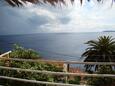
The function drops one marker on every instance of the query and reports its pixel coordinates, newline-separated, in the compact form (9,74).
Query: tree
(52,2)
(101,50)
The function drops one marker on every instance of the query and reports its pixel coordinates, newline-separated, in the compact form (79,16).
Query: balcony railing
(65,73)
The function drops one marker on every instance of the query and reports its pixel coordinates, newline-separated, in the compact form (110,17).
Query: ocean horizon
(53,46)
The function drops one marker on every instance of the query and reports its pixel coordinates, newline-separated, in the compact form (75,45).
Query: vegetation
(29,75)
(76,80)
(98,81)
(20,52)
(52,2)
(101,50)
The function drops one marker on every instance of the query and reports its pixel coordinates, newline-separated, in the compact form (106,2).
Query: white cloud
(87,18)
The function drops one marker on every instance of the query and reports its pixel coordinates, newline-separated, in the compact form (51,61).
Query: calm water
(58,46)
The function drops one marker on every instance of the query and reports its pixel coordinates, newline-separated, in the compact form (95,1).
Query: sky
(90,17)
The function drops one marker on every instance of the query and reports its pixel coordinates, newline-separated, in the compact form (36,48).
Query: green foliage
(21,52)
(101,50)
(105,69)
(105,81)
(76,80)
(1,62)
(30,75)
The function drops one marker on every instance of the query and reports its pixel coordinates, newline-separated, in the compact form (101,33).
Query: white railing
(5,54)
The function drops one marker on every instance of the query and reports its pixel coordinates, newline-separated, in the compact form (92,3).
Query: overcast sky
(90,17)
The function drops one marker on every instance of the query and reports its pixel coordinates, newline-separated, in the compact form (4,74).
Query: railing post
(66,69)
(7,63)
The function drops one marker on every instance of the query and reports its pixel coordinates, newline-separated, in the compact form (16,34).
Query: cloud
(12,21)
(64,20)
(44,18)
(23,20)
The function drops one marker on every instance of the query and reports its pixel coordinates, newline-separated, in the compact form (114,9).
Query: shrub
(102,81)
(21,52)
(76,80)
(29,75)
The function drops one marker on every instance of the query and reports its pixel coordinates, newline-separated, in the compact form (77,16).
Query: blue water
(55,46)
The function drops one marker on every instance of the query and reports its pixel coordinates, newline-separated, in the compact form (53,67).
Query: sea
(53,46)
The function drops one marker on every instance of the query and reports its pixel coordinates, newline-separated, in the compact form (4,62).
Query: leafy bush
(21,52)
(102,81)
(76,80)
(29,75)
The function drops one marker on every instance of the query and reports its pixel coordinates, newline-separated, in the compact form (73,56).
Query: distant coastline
(109,31)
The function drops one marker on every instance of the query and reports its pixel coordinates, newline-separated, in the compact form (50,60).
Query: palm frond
(21,2)
(52,2)
(101,50)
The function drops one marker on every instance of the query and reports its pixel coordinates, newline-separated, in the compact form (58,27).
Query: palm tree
(52,2)
(101,50)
